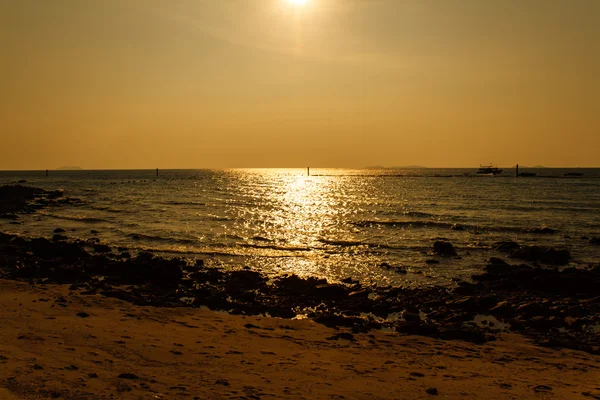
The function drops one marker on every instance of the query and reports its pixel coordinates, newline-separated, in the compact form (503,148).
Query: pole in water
(46,172)
(156,171)
(308,171)
(517,170)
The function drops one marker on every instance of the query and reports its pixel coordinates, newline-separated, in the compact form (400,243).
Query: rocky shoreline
(555,307)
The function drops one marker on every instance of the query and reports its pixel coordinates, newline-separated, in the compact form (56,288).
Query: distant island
(69,168)
(395,167)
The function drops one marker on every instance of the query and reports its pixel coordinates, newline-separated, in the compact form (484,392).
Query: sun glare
(297,2)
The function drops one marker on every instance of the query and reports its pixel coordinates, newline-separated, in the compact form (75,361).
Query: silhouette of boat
(527,174)
(573,174)
(488,170)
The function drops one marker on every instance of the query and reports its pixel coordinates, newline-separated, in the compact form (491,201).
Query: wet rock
(444,248)
(59,230)
(431,261)
(595,240)
(432,391)
(102,248)
(82,314)
(548,255)
(59,238)
(544,231)
(506,247)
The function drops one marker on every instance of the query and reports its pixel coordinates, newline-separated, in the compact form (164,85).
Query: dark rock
(431,261)
(82,314)
(498,262)
(417,374)
(542,388)
(432,391)
(94,232)
(595,240)
(59,230)
(128,375)
(92,375)
(59,238)
(444,248)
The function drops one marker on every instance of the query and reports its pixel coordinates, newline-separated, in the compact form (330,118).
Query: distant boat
(527,174)
(489,170)
(573,174)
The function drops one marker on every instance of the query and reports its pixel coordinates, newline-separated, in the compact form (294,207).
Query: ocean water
(335,223)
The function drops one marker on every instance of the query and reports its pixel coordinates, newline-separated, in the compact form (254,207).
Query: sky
(267,83)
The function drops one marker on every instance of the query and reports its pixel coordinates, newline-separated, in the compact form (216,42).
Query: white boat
(488,170)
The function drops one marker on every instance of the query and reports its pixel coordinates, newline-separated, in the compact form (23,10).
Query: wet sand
(57,343)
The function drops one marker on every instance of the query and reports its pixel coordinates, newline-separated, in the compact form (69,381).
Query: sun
(297,2)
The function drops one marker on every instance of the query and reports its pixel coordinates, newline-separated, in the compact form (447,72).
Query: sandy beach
(56,343)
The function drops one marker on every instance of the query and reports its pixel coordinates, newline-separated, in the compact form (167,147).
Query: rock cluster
(557,308)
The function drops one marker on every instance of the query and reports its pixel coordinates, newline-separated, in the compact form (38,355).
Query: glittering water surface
(334,224)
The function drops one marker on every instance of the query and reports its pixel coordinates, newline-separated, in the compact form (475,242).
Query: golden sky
(331,83)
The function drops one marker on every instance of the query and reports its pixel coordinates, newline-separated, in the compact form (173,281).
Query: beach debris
(432,391)
(342,335)
(128,375)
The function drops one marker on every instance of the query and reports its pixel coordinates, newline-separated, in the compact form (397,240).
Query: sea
(373,225)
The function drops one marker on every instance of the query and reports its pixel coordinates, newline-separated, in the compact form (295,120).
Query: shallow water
(335,223)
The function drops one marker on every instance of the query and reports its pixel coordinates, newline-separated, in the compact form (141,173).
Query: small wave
(403,224)
(108,209)
(418,214)
(261,239)
(79,218)
(343,243)
(141,236)
(274,247)
(218,218)
(453,226)
(182,203)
